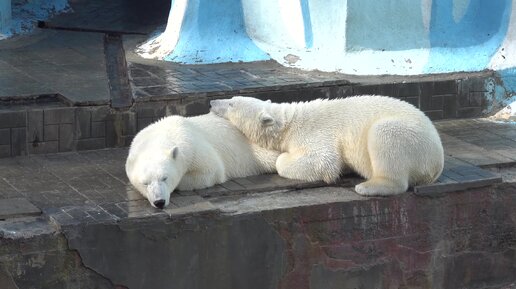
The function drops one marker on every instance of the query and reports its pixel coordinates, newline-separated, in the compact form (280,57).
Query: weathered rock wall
(458,240)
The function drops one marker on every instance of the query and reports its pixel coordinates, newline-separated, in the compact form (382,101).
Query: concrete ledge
(459,175)
(313,238)
(454,187)
(17,207)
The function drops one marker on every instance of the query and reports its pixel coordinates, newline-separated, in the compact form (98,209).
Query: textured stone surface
(35,255)
(316,238)
(17,207)
(117,73)
(13,119)
(200,253)
(459,175)
(480,142)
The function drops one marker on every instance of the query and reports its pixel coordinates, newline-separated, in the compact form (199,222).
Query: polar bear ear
(266,119)
(268,101)
(173,152)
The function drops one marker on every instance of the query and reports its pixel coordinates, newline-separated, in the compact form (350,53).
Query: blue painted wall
(467,44)
(307,21)
(25,13)
(384,25)
(404,37)
(5,17)
(482,22)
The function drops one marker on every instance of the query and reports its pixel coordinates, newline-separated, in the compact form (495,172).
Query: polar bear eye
(163,179)
(146,183)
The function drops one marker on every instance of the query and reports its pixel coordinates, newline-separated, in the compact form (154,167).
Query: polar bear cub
(387,141)
(191,153)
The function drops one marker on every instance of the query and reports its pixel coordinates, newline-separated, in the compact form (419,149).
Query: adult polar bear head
(244,112)
(154,174)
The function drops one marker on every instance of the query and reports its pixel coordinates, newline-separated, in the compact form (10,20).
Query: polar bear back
(346,124)
(356,112)
(349,117)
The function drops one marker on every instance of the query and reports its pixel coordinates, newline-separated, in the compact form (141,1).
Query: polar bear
(191,153)
(387,141)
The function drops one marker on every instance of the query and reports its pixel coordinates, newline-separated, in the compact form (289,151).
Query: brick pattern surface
(439,98)
(459,175)
(480,142)
(169,80)
(53,129)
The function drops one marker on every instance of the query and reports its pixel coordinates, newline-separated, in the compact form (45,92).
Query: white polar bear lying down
(191,153)
(389,142)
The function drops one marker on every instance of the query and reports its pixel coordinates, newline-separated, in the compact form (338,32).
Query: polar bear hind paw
(381,187)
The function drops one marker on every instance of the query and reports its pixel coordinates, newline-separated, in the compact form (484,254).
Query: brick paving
(439,96)
(481,142)
(458,175)
(91,186)
(157,80)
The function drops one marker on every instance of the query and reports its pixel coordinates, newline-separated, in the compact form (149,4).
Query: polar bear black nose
(159,204)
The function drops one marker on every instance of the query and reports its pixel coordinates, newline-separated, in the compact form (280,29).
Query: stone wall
(457,240)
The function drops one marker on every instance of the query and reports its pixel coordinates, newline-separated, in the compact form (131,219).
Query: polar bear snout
(158,194)
(160,204)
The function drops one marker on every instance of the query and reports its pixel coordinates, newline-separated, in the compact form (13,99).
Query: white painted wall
(162,44)
(283,25)
(328,24)
(505,57)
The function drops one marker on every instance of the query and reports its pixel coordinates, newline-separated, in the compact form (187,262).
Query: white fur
(192,153)
(389,142)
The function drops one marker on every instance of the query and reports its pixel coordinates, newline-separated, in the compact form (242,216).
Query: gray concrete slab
(17,207)
(480,142)
(118,15)
(55,62)
(459,175)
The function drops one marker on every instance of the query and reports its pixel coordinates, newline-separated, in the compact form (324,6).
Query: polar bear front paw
(380,187)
